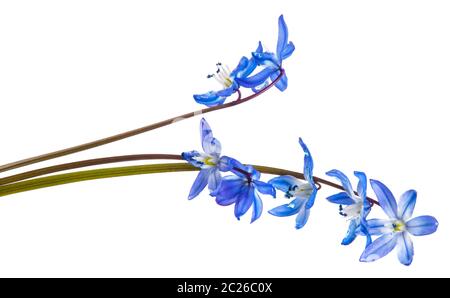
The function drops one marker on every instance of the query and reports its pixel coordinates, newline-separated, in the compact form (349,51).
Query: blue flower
(210,162)
(242,190)
(229,81)
(395,230)
(357,207)
(272,61)
(304,193)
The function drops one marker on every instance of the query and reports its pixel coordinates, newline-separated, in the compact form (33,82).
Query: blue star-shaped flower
(395,231)
(242,190)
(304,193)
(210,162)
(272,61)
(229,81)
(357,207)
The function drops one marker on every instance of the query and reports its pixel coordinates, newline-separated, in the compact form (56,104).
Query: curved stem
(85,163)
(134,132)
(60,179)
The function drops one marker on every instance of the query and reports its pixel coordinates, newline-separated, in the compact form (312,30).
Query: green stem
(134,132)
(67,178)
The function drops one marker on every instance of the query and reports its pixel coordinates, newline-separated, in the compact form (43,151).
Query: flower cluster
(255,72)
(243,188)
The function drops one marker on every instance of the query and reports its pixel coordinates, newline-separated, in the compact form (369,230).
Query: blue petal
(210,144)
(227,163)
(257,79)
(260,87)
(209,99)
(265,188)
(287,209)
(422,225)
(257,207)
(214,179)
(362,184)
(379,248)
(282,36)
(190,158)
(405,249)
(242,65)
(308,165)
(344,181)
(284,183)
(228,190)
(312,198)
(205,130)
(363,230)
(288,50)
(199,184)
(244,171)
(406,205)
(351,233)
(302,217)
(227,91)
(379,226)
(385,198)
(244,201)
(282,83)
(250,67)
(267,59)
(341,198)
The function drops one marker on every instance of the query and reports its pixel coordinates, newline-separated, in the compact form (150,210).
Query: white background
(368,90)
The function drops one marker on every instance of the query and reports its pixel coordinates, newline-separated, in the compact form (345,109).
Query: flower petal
(200,183)
(209,99)
(379,226)
(341,198)
(228,190)
(406,204)
(240,68)
(344,181)
(385,198)
(210,144)
(244,201)
(256,79)
(282,36)
(287,209)
(422,225)
(190,157)
(311,198)
(288,50)
(265,188)
(282,83)
(245,171)
(285,183)
(351,233)
(363,231)
(214,179)
(405,249)
(267,59)
(379,248)
(362,184)
(257,208)
(302,216)
(308,164)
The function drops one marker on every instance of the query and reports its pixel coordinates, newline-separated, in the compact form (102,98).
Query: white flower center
(352,211)
(299,190)
(208,161)
(399,226)
(222,75)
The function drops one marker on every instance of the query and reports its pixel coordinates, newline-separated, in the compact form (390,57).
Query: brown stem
(85,163)
(134,132)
